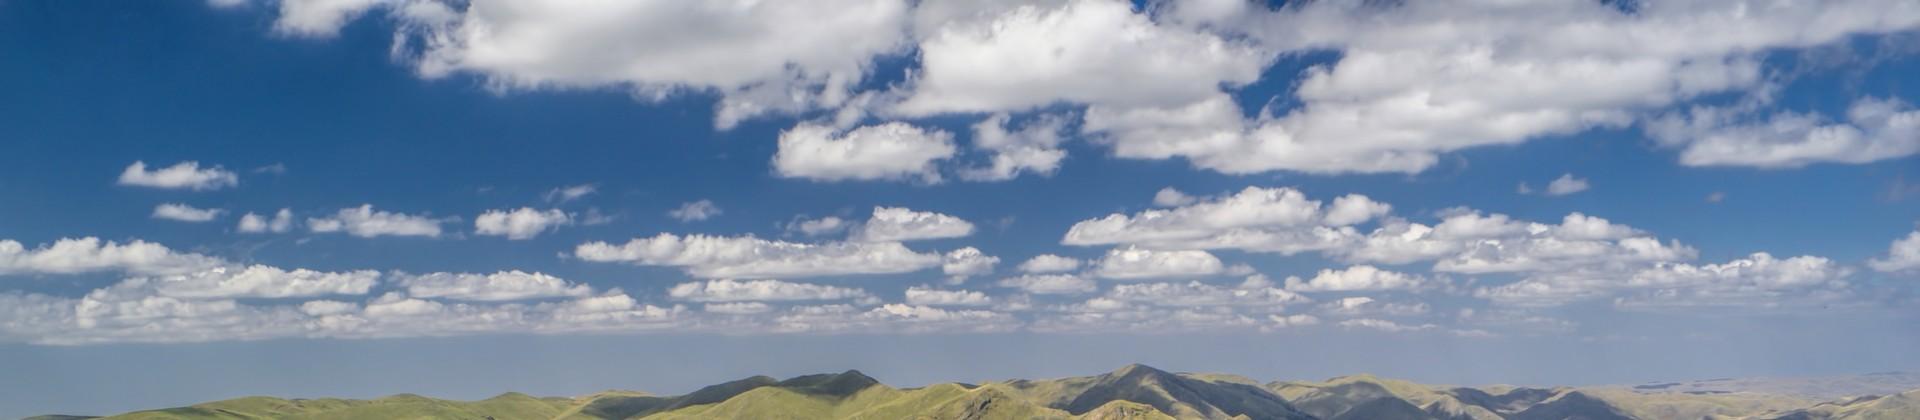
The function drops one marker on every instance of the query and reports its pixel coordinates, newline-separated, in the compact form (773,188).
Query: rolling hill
(1132,392)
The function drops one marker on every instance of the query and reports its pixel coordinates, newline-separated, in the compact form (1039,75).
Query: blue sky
(1261,129)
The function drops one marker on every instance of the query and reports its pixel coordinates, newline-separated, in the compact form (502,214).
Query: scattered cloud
(1034,148)
(1049,263)
(499,286)
(885,152)
(253,223)
(747,256)
(1131,263)
(897,224)
(1051,284)
(366,222)
(90,254)
(967,262)
(1169,197)
(185,213)
(1876,129)
(922,295)
(570,193)
(1356,278)
(1566,184)
(695,211)
(519,224)
(181,176)
(1902,255)
(725,290)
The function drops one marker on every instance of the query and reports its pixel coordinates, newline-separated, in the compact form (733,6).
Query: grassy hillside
(1134,392)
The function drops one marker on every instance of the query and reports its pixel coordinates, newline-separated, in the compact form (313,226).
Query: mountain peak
(1136,368)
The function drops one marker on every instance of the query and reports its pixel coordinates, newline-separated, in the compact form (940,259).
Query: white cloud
(818,227)
(90,254)
(967,262)
(747,256)
(1049,263)
(1362,305)
(519,224)
(1169,197)
(1385,325)
(1295,320)
(319,18)
(1566,184)
(1280,220)
(1034,149)
(885,152)
(256,281)
(1050,284)
(738,308)
(895,224)
(1131,263)
(1356,278)
(922,295)
(253,223)
(695,211)
(1876,129)
(761,57)
(1201,294)
(1903,254)
(185,213)
(365,222)
(1758,280)
(759,290)
(499,286)
(1084,51)
(570,193)
(1421,78)
(180,176)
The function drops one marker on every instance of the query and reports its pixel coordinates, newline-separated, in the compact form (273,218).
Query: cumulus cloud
(922,295)
(1049,263)
(1034,55)
(185,213)
(1050,284)
(1034,148)
(1362,305)
(1524,71)
(896,224)
(1902,255)
(90,254)
(366,222)
(1356,278)
(747,256)
(1758,280)
(885,152)
(778,57)
(1252,293)
(1875,129)
(499,286)
(695,211)
(725,290)
(255,281)
(519,224)
(282,222)
(181,176)
(738,308)
(819,227)
(967,262)
(1566,184)
(1169,197)
(1280,220)
(1132,263)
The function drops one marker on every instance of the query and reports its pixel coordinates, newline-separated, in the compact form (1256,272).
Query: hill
(1133,392)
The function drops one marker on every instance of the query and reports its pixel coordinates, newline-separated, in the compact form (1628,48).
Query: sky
(206,200)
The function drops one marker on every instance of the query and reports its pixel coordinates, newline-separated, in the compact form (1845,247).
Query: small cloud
(695,211)
(1566,184)
(1169,197)
(1716,197)
(1524,189)
(275,169)
(185,213)
(565,194)
(180,176)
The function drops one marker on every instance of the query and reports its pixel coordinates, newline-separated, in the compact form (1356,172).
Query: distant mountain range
(1132,392)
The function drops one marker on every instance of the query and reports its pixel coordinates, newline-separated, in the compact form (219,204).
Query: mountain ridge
(1134,392)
